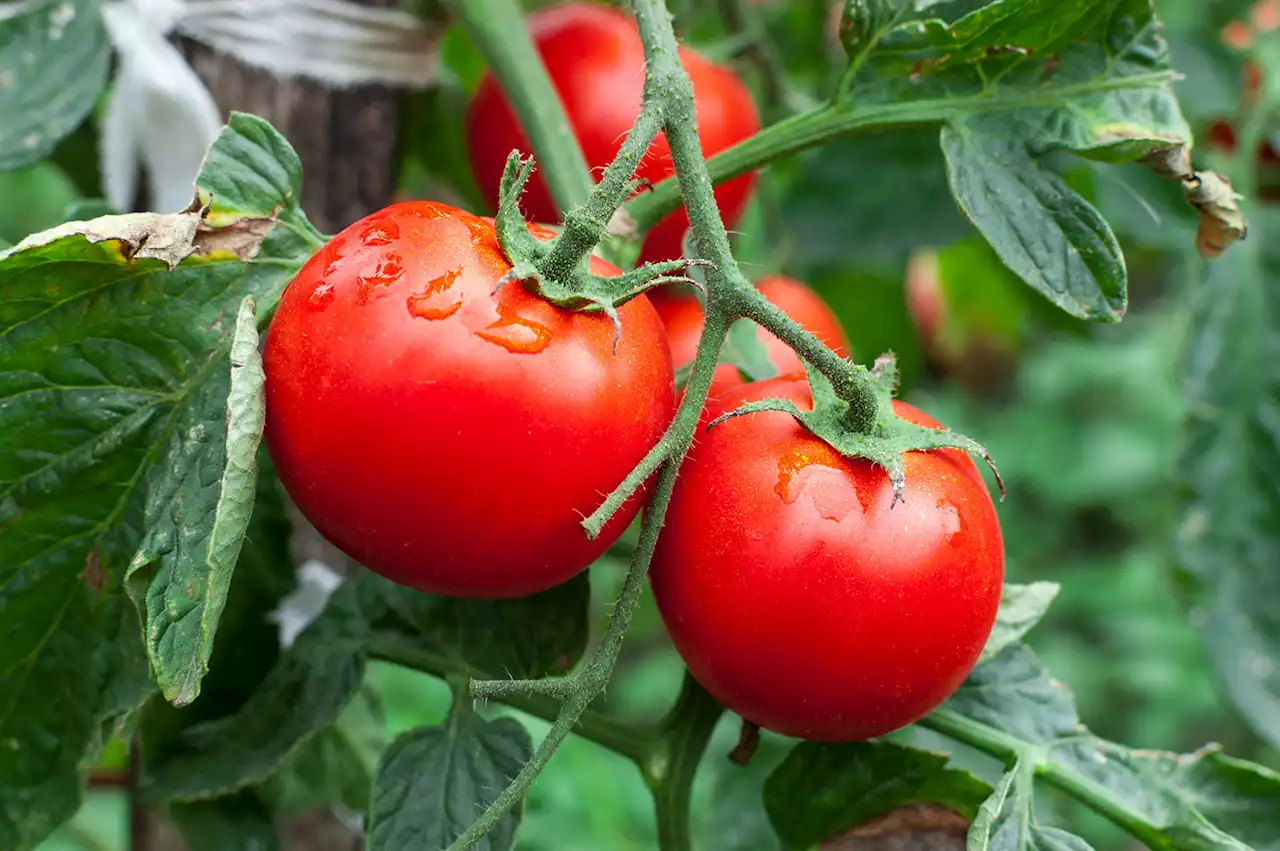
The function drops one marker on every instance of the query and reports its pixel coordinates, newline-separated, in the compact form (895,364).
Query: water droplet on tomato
(384,273)
(381,232)
(321,296)
(435,301)
(516,334)
(480,230)
(833,493)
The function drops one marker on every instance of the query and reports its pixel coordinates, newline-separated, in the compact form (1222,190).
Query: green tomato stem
(821,125)
(585,226)
(672,762)
(498,30)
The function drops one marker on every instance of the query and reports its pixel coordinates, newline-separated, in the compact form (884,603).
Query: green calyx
(569,285)
(866,426)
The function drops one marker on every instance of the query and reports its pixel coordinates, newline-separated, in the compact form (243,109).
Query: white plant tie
(161,116)
(316,584)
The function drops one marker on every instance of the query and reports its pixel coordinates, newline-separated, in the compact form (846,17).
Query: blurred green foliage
(1083,422)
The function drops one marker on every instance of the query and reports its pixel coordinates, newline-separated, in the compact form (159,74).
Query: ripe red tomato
(799,599)
(446,437)
(596,62)
(682,316)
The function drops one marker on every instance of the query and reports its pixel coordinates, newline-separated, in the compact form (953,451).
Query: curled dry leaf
(168,237)
(1221,220)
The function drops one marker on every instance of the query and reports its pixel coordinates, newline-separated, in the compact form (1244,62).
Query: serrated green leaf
(823,789)
(306,690)
(114,383)
(234,823)
(527,637)
(432,782)
(1021,607)
(54,58)
(1228,545)
(1191,802)
(1042,230)
(184,606)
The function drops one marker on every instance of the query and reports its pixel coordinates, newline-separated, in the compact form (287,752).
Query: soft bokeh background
(1083,421)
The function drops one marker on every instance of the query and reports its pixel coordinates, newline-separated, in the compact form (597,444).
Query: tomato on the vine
(595,59)
(682,316)
(800,599)
(446,436)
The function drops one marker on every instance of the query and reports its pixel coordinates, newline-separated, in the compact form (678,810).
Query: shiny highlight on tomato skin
(446,436)
(801,598)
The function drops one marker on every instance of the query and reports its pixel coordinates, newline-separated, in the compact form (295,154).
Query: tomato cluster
(451,434)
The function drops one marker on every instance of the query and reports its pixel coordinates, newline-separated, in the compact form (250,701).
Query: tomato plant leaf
(1185,802)
(313,682)
(239,821)
(113,382)
(1042,230)
(822,789)
(54,58)
(1005,821)
(1228,546)
(1021,607)
(336,766)
(248,646)
(182,614)
(432,781)
(526,637)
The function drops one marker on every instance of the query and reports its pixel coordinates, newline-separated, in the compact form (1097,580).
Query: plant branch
(825,123)
(673,760)
(498,30)
(598,727)
(585,226)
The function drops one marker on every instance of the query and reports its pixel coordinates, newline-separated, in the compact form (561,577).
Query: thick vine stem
(830,121)
(498,31)
(672,761)
(585,226)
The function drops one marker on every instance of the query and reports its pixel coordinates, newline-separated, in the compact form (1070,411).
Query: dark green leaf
(526,637)
(307,689)
(248,646)
(114,385)
(823,789)
(433,781)
(1021,607)
(236,823)
(336,766)
(53,63)
(913,206)
(1042,230)
(184,606)
(77,636)
(1228,545)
